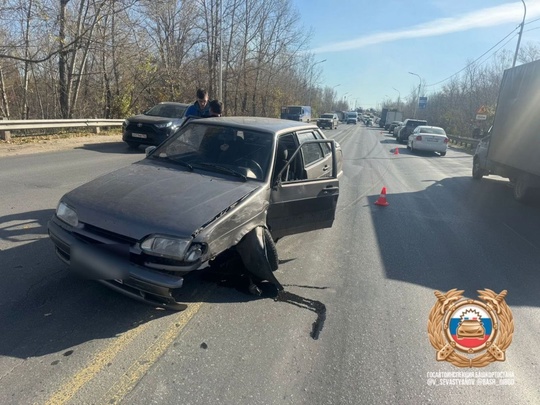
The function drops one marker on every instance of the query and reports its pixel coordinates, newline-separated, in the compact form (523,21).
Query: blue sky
(370,46)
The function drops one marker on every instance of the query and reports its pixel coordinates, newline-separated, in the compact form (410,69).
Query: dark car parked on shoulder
(219,188)
(407,128)
(155,125)
(395,132)
(393,125)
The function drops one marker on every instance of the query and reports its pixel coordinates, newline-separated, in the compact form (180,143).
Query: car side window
(312,152)
(285,149)
(325,147)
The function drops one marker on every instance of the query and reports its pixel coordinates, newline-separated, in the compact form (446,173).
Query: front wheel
(259,255)
(270,250)
(442,153)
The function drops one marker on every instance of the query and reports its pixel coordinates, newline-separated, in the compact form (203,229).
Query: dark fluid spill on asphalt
(240,282)
(315,306)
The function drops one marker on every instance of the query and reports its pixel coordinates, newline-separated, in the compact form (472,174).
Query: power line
(531,29)
(537,19)
(474,61)
(500,47)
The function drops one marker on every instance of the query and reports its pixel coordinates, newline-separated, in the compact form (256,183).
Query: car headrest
(282,152)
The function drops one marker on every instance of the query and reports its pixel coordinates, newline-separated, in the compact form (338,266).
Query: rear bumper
(430,147)
(136,281)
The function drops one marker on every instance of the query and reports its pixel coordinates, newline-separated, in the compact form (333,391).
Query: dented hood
(148,197)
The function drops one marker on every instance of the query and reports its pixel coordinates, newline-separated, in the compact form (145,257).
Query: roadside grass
(17,139)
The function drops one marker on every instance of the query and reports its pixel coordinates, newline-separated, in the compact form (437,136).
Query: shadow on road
(112,147)
(485,240)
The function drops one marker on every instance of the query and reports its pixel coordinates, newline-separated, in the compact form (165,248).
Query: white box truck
(512,145)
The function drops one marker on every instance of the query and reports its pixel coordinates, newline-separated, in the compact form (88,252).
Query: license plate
(135,135)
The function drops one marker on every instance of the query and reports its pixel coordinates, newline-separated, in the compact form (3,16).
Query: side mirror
(149,150)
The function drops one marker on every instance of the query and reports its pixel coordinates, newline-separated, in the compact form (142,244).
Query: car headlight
(165,125)
(172,248)
(67,214)
(126,123)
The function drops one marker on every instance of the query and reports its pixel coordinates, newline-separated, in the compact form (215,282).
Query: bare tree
(529,53)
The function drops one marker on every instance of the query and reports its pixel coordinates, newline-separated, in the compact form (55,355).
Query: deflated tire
(259,255)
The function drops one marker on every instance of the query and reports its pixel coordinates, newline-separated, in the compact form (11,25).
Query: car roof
(273,125)
(175,103)
(428,127)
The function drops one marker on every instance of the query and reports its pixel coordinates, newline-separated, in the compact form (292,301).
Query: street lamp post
(520,32)
(344,98)
(311,77)
(419,85)
(398,98)
(333,101)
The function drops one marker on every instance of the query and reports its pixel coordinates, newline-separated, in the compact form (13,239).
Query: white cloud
(487,17)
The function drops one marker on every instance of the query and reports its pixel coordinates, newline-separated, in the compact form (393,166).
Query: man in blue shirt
(199,108)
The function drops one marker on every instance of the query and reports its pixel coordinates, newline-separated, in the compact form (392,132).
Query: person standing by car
(200,108)
(215,108)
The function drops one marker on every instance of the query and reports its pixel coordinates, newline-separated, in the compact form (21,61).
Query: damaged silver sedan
(218,185)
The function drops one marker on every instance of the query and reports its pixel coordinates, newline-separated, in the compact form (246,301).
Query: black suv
(407,128)
(155,125)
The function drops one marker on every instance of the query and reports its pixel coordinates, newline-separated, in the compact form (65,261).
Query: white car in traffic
(427,138)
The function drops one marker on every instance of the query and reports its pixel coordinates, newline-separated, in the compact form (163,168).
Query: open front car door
(305,191)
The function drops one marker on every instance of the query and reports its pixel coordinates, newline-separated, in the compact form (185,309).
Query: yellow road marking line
(140,367)
(98,363)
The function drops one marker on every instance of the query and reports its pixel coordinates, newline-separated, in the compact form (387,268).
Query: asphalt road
(67,340)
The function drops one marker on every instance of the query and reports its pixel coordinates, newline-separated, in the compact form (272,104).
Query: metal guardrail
(469,143)
(7,126)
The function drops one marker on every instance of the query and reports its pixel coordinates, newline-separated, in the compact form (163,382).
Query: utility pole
(398,99)
(520,32)
(311,78)
(419,86)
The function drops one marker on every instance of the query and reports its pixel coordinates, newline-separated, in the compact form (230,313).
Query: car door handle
(325,168)
(330,190)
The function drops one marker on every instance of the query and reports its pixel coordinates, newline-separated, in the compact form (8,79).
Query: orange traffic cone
(382,198)
(396,151)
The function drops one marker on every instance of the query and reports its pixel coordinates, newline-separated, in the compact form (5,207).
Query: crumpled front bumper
(117,273)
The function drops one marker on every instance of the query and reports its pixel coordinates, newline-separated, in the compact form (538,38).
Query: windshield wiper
(179,161)
(223,169)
